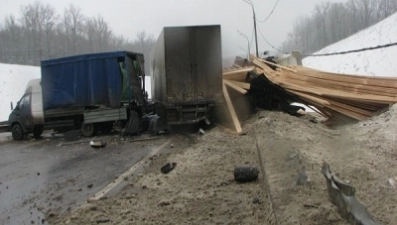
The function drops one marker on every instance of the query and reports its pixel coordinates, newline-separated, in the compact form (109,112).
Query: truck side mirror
(12,106)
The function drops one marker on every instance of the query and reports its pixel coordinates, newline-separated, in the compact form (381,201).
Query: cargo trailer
(186,70)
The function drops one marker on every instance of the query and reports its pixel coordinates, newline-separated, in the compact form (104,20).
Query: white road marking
(119,179)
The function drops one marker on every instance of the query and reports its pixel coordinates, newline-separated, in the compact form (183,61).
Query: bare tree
(366,11)
(385,8)
(38,20)
(73,21)
(331,22)
(39,33)
(322,14)
(98,33)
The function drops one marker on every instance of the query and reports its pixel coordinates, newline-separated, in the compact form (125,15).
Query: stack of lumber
(233,78)
(338,97)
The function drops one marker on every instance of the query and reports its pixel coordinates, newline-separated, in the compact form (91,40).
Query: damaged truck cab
(85,92)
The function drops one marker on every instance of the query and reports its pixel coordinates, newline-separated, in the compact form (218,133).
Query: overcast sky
(129,17)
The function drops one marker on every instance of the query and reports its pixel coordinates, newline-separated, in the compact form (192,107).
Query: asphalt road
(40,178)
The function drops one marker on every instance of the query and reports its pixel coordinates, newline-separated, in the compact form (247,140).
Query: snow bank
(13,81)
(380,62)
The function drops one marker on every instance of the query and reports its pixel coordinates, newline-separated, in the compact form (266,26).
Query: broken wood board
(238,74)
(235,87)
(231,109)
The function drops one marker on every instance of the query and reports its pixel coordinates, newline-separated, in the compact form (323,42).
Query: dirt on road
(201,188)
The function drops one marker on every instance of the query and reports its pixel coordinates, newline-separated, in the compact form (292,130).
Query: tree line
(332,22)
(40,33)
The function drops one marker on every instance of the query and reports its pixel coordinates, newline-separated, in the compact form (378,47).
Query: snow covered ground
(13,81)
(380,62)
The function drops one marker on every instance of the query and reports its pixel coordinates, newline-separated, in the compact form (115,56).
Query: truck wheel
(88,130)
(37,132)
(17,132)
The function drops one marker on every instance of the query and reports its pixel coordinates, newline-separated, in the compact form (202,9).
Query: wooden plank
(299,68)
(356,88)
(352,90)
(239,70)
(235,87)
(336,107)
(230,106)
(266,69)
(241,84)
(238,75)
(366,80)
(275,64)
(340,94)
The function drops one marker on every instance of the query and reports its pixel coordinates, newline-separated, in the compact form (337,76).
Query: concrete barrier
(341,194)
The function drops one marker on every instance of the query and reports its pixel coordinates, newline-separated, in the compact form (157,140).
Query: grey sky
(128,17)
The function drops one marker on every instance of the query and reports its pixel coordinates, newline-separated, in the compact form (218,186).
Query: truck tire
(88,130)
(37,132)
(17,132)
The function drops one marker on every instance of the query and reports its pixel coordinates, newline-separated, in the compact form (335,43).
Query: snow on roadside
(380,62)
(13,81)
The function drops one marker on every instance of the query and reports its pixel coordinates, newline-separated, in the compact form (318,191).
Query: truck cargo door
(208,64)
(179,66)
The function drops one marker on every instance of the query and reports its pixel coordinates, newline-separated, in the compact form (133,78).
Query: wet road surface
(40,178)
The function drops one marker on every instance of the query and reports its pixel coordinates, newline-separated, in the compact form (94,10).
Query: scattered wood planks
(339,97)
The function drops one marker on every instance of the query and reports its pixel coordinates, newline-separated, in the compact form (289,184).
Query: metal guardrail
(341,194)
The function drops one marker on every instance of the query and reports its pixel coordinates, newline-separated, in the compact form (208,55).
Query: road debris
(168,168)
(257,201)
(144,139)
(302,177)
(392,183)
(342,196)
(103,221)
(98,144)
(245,173)
(164,203)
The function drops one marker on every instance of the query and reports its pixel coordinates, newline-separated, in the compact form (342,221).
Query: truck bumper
(188,114)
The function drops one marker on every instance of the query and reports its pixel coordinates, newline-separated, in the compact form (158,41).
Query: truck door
(25,112)
(208,65)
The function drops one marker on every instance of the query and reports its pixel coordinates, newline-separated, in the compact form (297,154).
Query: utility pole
(256,35)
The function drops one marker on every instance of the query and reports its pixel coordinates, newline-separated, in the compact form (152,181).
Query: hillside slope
(380,62)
